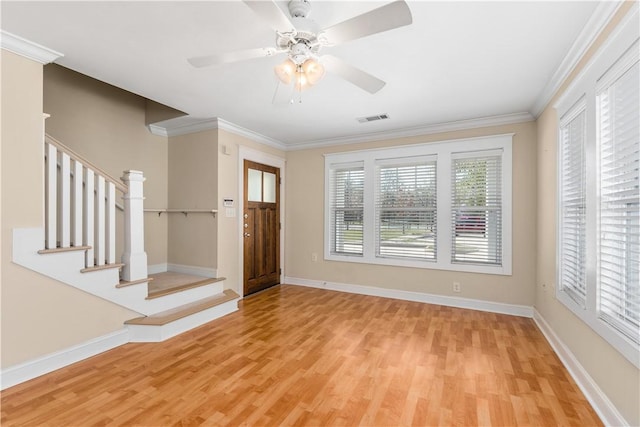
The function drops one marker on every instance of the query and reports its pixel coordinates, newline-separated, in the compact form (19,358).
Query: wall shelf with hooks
(186,212)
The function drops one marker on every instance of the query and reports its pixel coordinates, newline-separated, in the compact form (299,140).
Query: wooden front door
(261,226)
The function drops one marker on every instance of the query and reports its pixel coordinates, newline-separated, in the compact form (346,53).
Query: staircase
(77,246)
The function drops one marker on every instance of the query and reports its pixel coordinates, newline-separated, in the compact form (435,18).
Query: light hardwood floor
(301,356)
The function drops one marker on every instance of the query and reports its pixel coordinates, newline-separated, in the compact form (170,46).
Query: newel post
(134,257)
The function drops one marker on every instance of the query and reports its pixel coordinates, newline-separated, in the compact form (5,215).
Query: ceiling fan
(301,40)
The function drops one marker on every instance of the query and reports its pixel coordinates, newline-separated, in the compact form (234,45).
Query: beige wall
(38,315)
(106,125)
(155,112)
(193,184)
(203,170)
(613,373)
(304,214)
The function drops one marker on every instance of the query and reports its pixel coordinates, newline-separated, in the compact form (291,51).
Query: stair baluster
(80,210)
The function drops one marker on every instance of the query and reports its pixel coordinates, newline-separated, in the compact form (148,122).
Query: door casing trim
(245,153)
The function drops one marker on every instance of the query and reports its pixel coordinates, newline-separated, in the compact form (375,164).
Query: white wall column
(134,256)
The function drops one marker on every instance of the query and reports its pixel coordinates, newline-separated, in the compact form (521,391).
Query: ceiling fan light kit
(301,40)
(313,70)
(306,74)
(285,71)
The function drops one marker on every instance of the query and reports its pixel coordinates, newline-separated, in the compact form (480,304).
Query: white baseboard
(182,269)
(192,269)
(473,304)
(596,397)
(34,368)
(157,268)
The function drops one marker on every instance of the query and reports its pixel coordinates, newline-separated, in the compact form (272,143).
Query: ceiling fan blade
(271,13)
(384,18)
(352,74)
(229,57)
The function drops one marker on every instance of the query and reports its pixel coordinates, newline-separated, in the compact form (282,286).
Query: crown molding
(251,135)
(158,130)
(592,29)
(182,126)
(505,119)
(176,127)
(630,18)
(28,49)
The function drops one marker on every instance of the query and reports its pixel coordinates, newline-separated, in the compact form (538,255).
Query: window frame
(407,162)
(442,151)
(567,293)
(585,86)
(483,156)
(333,209)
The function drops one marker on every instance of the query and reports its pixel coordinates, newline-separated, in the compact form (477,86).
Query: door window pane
(254,185)
(269,185)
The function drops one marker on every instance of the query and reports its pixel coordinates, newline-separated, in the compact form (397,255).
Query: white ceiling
(457,61)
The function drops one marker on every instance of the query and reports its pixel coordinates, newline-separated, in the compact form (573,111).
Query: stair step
(68,249)
(101,267)
(180,288)
(165,317)
(125,283)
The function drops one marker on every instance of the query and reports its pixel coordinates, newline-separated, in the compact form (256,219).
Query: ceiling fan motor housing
(302,43)
(299,8)
(299,52)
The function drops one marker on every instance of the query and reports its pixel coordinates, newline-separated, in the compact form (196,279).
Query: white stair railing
(80,210)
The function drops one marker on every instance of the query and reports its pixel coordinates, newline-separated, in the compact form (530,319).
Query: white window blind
(598,211)
(476,208)
(572,212)
(618,108)
(346,208)
(405,209)
(392,206)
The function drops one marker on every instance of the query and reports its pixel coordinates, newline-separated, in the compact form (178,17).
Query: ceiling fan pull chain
(275,93)
(299,84)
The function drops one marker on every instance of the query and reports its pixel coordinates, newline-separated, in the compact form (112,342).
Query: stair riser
(187,296)
(62,266)
(148,333)
(65,267)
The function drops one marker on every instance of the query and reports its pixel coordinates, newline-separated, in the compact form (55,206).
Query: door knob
(246,216)
(246,225)
(247,235)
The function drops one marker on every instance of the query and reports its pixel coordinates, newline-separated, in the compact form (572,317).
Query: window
(618,112)
(442,205)
(572,203)
(406,209)
(476,208)
(599,192)
(347,185)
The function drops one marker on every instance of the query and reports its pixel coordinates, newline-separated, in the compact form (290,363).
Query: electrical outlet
(314,257)
(456,287)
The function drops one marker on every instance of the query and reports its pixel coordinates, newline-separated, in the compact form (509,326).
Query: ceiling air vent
(373,118)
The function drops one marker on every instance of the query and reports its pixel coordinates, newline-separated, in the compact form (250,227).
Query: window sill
(428,265)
